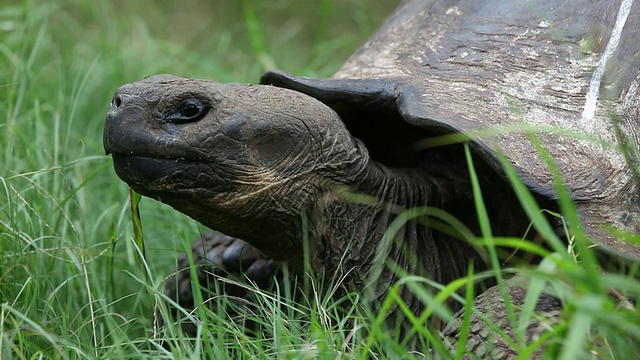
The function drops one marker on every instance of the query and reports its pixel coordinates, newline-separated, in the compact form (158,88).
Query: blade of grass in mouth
(134,199)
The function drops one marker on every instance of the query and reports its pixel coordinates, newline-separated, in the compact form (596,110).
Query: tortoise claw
(240,255)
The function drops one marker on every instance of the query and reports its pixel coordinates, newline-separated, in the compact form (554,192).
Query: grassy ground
(71,285)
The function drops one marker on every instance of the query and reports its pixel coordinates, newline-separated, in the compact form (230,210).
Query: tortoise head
(229,155)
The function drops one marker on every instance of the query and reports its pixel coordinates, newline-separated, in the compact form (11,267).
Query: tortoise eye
(188,110)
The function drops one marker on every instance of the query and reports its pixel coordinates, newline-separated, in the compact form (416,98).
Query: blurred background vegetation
(71,284)
(69,278)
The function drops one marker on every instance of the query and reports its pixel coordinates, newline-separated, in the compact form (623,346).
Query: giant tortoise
(335,161)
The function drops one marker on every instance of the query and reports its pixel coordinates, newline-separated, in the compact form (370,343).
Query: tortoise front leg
(218,257)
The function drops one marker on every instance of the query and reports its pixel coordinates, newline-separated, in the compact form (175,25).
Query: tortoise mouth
(140,169)
(149,174)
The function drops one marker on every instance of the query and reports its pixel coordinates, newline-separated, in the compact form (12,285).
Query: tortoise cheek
(272,150)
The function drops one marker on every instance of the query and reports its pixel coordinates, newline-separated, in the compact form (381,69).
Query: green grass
(71,284)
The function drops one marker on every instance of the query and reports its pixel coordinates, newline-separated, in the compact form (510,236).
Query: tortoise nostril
(116,101)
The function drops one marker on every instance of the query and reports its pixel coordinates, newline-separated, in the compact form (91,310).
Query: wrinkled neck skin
(347,231)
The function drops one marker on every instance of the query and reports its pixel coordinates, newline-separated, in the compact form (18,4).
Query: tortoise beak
(126,129)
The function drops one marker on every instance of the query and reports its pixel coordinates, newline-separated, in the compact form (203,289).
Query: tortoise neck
(356,217)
